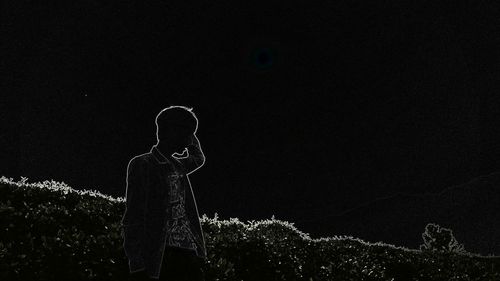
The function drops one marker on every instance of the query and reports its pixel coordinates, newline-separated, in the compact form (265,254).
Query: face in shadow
(180,144)
(174,140)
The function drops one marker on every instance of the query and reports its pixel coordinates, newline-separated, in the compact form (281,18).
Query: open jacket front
(148,215)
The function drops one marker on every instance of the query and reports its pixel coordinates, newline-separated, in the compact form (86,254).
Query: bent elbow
(202,160)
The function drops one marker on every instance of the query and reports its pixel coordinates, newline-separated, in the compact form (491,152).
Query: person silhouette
(162,232)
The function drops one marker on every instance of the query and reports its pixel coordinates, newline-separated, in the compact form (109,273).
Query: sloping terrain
(471,210)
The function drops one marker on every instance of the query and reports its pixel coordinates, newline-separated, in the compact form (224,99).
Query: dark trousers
(181,265)
(178,265)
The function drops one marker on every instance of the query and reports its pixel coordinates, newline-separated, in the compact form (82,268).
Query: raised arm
(133,218)
(195,158)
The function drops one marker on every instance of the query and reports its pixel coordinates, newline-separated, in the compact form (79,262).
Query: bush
(52,232)
(441,239)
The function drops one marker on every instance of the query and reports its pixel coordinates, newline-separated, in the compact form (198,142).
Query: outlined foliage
(53,232)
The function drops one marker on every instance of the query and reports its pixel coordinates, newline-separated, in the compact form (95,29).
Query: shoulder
(142,159)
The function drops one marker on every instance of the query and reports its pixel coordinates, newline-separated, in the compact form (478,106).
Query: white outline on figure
(175,158)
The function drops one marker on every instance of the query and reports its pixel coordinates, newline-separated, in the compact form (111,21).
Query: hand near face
(184,143)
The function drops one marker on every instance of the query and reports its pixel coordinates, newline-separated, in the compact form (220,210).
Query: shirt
(179,232)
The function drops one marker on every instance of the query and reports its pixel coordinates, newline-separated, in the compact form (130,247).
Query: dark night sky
(303,110)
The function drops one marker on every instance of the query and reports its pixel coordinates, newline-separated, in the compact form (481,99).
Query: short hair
(176,119)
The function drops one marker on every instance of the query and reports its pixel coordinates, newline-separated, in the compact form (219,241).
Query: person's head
(174,125)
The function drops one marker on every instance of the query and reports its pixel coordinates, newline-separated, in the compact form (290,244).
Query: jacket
(148,213)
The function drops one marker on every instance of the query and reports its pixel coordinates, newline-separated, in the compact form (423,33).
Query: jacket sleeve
(133,218)
(195,159)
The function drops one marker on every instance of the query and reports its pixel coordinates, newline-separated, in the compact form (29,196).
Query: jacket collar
(159,156)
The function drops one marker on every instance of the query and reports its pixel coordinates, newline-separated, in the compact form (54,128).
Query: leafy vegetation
(53,232)
(437,238)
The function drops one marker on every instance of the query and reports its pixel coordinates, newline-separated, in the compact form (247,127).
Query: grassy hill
(51,231)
